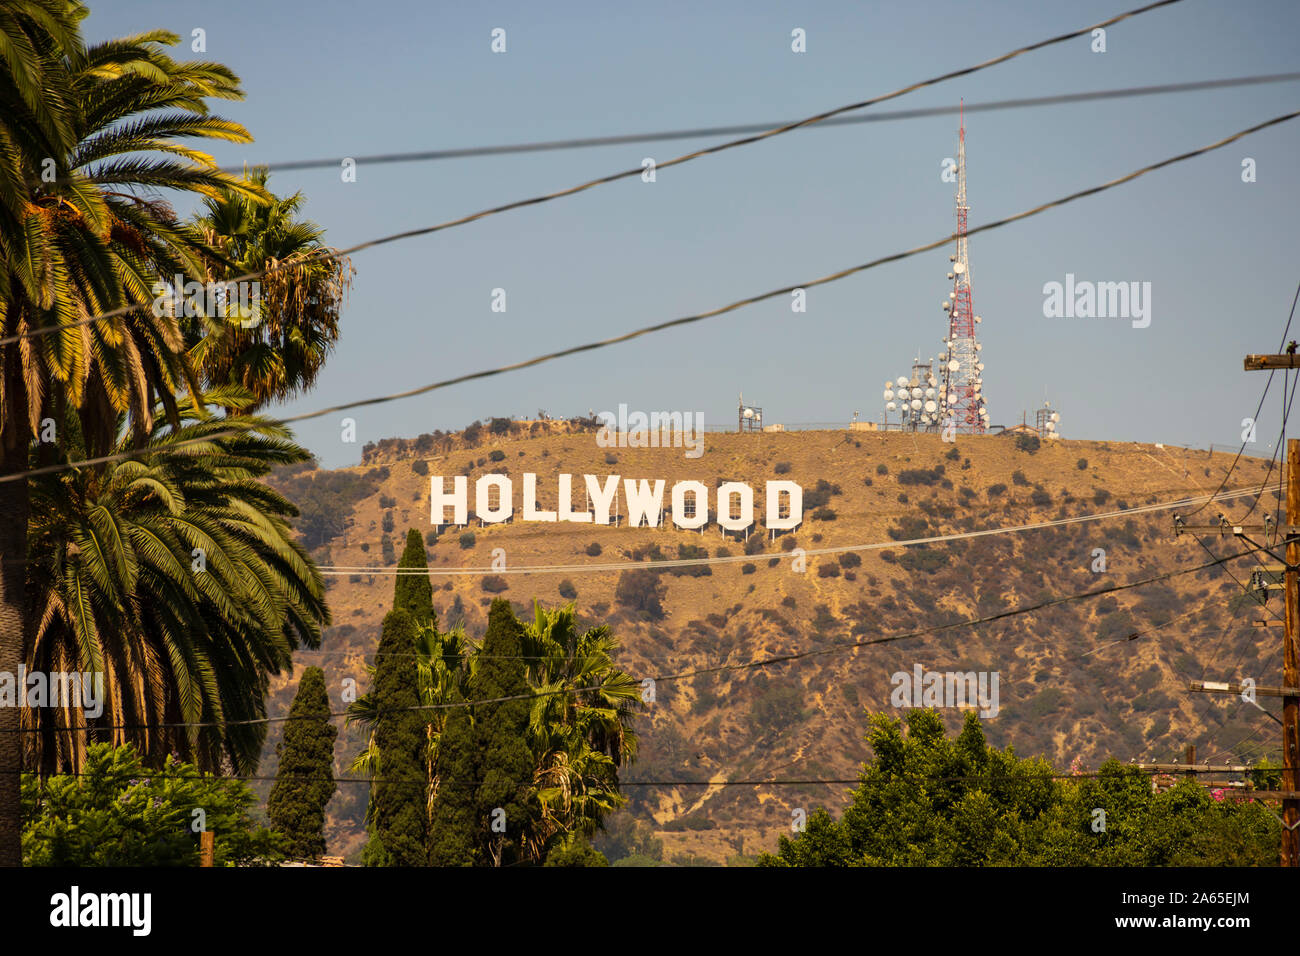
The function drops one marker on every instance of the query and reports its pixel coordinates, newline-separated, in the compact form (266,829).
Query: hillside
(1072,686)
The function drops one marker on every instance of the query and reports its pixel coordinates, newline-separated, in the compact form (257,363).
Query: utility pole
(1291,641)
(1291,667)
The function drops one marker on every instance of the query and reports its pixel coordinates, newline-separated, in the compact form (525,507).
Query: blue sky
(332,79)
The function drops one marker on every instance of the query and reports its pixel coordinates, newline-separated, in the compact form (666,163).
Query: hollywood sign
(644,500)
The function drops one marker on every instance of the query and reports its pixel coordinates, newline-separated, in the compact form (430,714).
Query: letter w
(642,502)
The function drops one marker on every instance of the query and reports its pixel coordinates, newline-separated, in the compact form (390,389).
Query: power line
(637,171)
(719,668)
(624,139)
(685,320)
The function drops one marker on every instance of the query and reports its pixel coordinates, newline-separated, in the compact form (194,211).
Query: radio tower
(962,396)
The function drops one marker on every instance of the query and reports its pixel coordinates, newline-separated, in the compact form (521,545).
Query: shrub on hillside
(567,590)
(1027,443)
(494,584)
(782,468)
(594,549)
(1082,464)
(641,590)
(467,540)
(496,454)
(1018,478)
(420,466)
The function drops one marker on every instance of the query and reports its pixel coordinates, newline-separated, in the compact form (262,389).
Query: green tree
(279,351)
(397,819)
(499,688)
(173,573)
(925,799)
(579,729)
(92,238)
(117,812)
(454,838)
(413,590)
(304,782)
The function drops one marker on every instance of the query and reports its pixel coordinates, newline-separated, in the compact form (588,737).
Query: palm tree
(279,350)
(88,138)
(175,575)
(580,726)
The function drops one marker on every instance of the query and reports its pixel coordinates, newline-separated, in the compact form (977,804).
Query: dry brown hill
(1072,685)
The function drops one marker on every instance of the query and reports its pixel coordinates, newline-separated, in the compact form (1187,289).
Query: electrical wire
(882,116)
(685,320)
(637,171)
(716,669)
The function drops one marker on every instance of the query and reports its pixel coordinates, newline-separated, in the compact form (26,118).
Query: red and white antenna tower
(962,398)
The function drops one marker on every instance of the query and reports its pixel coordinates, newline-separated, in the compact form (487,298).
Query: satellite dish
(979,366)
(952,398)
(1056,416)
(949,275)
(903,381)
(890,406)
(979,347)
(889,393)
(954,365)
(889,384)
(916,404)
(749,413)
(929,393)
(931,406)
(959,268)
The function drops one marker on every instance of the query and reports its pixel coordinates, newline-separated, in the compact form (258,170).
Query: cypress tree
(398,821)
(500,729)
(304,782)
(414,592)
(454,836)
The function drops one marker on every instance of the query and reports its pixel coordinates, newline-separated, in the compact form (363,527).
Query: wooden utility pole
(1291,666)
(207,847)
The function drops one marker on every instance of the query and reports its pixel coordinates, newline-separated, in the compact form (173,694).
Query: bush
(868,482)
(386,546)
(1018,478)
(747,568)
(782,468)
(420,466)
(1027,443)
(430,538)
(500,426)
(820,495)
(882,469)
(824,514)
(921,476)
(1100,496)
(386,502)
(754,544)
(594,549)
(467,540)
(828,570)
(365,547)
(494,584)
(953,454)
(496,454)
(641,590)
(388,522)
(850,559)
(1082,464)
(1041,497)
(923,559)
(567,590)
(996,490)
(611,458)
